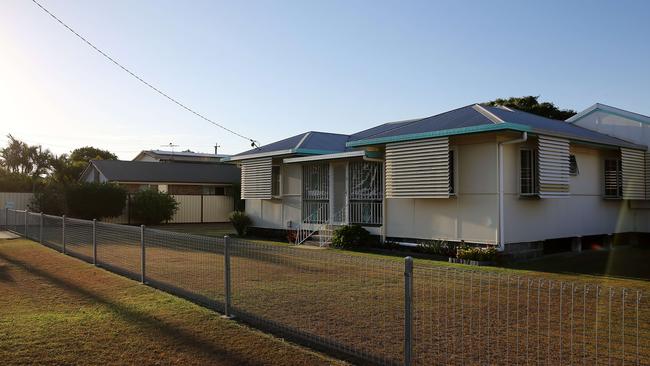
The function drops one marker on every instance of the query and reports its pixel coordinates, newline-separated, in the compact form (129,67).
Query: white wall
(276,213)
(471,216)
(584,212)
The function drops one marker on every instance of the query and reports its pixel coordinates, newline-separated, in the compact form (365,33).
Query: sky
(274,69)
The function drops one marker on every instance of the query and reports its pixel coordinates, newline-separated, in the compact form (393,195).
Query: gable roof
(472,118)
(307,143)
(144,171)
(182,156)
(611,110)
(481,118)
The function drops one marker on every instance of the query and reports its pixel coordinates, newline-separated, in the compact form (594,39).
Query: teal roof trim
(314,152)
(442,133)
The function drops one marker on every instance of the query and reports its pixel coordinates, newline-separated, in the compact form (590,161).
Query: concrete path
(8,235)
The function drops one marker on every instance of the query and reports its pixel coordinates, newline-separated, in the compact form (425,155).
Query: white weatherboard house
(479,174)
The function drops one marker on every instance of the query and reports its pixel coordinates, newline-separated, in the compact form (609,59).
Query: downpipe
(523,138)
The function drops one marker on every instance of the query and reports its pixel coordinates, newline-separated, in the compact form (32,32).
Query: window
(573,165)
(528,172)
(213,191)
(452,175)
(613,178)
(275,180)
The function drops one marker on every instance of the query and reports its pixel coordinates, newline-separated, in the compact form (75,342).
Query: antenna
(171,146)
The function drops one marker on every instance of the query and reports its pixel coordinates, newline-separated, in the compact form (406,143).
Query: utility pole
(216,148)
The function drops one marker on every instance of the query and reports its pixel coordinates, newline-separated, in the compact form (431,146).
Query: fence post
(40,228)
(63,233)
(408,310)
(95,241)
(226,269)
(26,236)
(142,254)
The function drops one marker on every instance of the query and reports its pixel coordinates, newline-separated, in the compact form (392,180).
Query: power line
(253,142)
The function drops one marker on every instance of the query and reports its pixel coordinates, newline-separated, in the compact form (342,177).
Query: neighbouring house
(478,174)
(206,192)
(163,156)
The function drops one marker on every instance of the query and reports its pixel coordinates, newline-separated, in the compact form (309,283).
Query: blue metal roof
(468,119)
(312,142)
(551,126)
(458,118)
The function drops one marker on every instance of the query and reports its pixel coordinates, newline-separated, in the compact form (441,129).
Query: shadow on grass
(174,334)
(627,261)
(4,274)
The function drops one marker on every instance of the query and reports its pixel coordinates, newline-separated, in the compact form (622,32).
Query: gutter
(500,237)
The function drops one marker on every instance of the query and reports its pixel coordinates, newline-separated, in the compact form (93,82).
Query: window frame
(619,178)
(276,180)
(574,169)
(534,178)
(453,171)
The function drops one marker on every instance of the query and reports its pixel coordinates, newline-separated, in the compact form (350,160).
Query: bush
(151,207)
(49,199)
(95,200)
(478,254)
(439,247)
(240,221)
(352,236)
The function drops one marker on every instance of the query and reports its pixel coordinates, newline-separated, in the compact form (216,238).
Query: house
(479,174)
(206,192)
(163,156)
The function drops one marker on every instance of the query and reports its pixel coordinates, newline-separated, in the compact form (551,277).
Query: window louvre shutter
(418,169)
(256,180)
(633,171)
(554,167)
(647,175)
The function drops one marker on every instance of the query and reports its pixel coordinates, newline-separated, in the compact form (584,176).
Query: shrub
(241,222)
(95,200)
(152,207)
(439,247)
(292,235)
(49,199)
(352,236)
(478,254)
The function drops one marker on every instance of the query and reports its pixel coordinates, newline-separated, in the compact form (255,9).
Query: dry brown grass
(58,310)
(480,316)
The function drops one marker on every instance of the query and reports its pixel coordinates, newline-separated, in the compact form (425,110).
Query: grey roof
(462,120)
(552,126)
(307,142)
(144,171)
(468,116)
(456,118)
(184,156)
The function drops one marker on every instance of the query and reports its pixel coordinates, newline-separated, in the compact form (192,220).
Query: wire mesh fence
(119,249)
(373,309)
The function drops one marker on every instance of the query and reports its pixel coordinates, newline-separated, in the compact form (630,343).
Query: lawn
(59,310)
(354,301)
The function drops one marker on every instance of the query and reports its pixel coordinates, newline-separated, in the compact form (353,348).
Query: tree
(89,153)
(65,170)
(152,207)
(95,200)
(531,104)
(20,158)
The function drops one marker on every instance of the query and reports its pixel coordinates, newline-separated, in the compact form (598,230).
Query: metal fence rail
(382,311)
